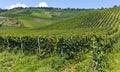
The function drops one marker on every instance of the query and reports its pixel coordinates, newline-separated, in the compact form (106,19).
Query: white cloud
(42,4)
(17,5)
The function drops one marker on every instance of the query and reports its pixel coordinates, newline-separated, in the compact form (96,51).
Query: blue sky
(60,3)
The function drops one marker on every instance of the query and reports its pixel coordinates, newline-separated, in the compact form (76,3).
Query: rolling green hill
(39,17)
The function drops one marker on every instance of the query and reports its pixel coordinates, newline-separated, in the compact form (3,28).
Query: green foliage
(68,47)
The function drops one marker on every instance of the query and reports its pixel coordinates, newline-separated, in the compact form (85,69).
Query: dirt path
(69,69)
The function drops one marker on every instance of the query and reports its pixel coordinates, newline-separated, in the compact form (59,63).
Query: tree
(115,6)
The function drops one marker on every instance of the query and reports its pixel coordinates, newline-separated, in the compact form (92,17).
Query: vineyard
(88,35)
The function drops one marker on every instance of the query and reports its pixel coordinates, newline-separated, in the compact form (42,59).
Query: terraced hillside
(82,41)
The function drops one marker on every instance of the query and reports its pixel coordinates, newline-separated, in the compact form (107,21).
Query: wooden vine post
(8,44)
(61,51)
(21,44)
(38,40)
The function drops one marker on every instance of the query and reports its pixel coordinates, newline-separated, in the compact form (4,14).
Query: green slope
(38,17)
(106,20)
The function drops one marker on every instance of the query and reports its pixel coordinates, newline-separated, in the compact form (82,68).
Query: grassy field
(36,17)
(114,58)
(11,62)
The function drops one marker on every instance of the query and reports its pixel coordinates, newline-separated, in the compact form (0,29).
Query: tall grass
(19,62)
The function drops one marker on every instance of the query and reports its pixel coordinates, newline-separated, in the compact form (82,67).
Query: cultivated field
(60,40)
